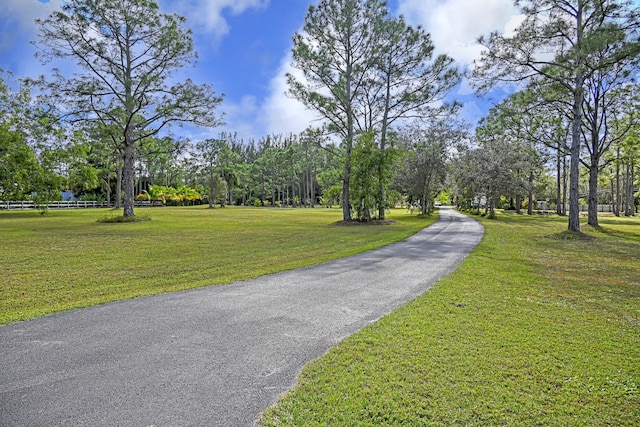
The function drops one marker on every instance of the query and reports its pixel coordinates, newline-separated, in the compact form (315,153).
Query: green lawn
(66,259)
(534,328)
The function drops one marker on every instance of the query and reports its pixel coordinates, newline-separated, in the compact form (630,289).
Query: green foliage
(394,199)
(372,169)
(444,197)
(218,190)
(363,71)
(18,165)
(329,178)
(92,198)
(83,178)
(428,148)
(125,82)
(579,48)
(366,157)
(529,330)
(26,168)
(331,196)
(183,195)
(22,174)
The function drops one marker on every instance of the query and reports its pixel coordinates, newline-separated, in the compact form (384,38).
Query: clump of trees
(30,146)
(181,196)
(126,51)
(363,71)
(569,135)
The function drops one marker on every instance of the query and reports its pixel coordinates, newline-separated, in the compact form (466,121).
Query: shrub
(118,219)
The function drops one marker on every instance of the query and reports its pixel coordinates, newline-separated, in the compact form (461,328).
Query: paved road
(211,356)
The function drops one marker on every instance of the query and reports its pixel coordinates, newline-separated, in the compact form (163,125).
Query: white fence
(27,204)
(583,208)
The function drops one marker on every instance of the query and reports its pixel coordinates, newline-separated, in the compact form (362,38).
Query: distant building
(67,196)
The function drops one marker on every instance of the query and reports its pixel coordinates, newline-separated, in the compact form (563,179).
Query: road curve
(215,356)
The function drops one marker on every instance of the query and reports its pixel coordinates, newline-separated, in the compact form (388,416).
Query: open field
(534,328)
(65,259)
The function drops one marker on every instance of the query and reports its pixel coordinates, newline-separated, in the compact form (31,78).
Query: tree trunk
(613,196)
(559,180)
(346,208)
(383,142)
(108,188)
(617,200)
(630,203)
(425,197)
(211,187)
(564,186)
(312,186)
(530,207)
(128,179)
(381,195)
(273,195)
(118,203)
(346,179)
(574,174)
(593,195)
(518,203)
(633,201)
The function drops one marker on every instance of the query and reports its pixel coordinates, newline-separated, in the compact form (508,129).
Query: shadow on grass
(17,214)
(572,236)
(358,222)
(620,234)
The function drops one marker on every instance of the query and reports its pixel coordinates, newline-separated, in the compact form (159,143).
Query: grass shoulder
(529,330)
(66,259)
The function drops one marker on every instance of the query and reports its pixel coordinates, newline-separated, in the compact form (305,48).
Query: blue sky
(244,48)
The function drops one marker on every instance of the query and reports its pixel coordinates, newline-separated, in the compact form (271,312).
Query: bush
(118,219)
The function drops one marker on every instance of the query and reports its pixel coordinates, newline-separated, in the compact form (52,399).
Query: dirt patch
(571,235)
(373,222)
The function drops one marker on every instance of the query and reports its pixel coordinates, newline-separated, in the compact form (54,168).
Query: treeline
(517,157)
(523,152)
(579,62)
(569,135)
(286,171)
(39,159)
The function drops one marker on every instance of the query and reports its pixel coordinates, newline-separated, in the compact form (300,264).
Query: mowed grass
(66,259)
(535,328)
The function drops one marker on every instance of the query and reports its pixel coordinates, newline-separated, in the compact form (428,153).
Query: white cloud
(24,12)
(239,117)
(280,113)
(208,14)
(465,88)
(18,28)
(471,112)
(455,25)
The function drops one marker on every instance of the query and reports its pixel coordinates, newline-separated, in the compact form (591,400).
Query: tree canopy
(126,52)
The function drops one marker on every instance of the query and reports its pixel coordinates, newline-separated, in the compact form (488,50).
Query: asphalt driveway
(215,356)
